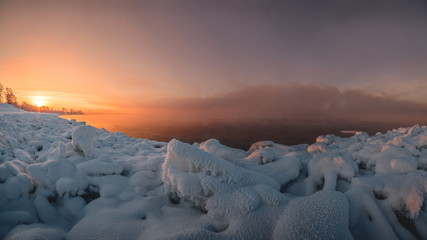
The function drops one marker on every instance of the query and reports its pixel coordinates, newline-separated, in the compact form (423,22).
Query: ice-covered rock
(23,155)
(66,187)
(267,151)
(260,145)
(103,165)
(232,214)
(394,159)
(323,215)
(82,137)
(8,169)
(196,175)
(14,218)
(35,232)
(214,147)
(48,172)
(329,168)
(18,186)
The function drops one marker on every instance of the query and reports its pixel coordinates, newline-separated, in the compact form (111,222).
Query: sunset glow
(39,101)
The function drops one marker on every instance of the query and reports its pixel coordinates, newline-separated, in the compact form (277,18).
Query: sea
(240,134)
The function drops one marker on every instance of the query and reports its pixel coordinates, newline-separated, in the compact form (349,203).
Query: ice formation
(323,215)
(62,179)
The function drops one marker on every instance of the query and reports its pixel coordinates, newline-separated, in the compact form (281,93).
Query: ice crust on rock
(83,140)
(214,147)
(62,179)
(35,232)
(329,168)
(100,166)
(23,156)
(394,159)
(323,215)
(197,175)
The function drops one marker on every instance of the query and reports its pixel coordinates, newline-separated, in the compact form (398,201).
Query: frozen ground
(61,179)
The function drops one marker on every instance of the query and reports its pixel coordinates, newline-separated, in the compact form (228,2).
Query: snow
(23,156)
(35,232)
(323,215)
(8,108)
(214,147)
(63,179)
(17,186)
(66,187)
(82,139)
(393,159)
(196,175)
(100,166)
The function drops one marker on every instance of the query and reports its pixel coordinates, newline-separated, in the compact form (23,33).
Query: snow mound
(214,147)
(329,168)
(8,108)
(323,215)
(100,166)
(196,175)
(35,232)
(394,159)
(83,140)
(62,179)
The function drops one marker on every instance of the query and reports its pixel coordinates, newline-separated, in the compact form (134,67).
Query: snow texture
(62,179)
(83,140)
(323,215)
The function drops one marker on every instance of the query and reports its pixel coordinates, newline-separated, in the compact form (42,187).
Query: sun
(39,101)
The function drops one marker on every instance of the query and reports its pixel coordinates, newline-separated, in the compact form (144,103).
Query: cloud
(289,102)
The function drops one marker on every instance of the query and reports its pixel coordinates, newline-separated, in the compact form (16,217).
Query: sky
(167,55)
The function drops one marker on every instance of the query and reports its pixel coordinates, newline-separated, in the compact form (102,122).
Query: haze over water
(235,134)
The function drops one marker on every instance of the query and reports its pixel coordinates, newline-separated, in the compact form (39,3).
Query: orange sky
(119,55)
(63,79)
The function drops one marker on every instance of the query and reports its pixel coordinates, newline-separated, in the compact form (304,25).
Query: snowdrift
(63,179)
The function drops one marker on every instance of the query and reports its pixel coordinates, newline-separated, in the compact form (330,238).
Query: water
(235,134)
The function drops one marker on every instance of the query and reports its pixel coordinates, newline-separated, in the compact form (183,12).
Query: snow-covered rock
(23,155)
(214,147)
(62,179)
(196,175)
(83,140)
(100,166)
(35,232)
(323,215)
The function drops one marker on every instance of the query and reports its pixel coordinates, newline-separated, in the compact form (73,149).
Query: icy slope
(62,179)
